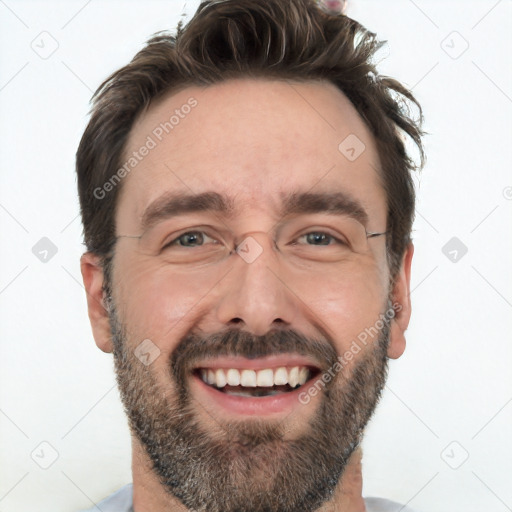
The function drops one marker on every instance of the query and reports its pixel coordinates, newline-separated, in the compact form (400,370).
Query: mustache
(194,348)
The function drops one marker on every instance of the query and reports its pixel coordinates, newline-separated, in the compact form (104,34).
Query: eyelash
(175,240)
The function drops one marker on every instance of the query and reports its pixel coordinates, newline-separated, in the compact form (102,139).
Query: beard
(251,465)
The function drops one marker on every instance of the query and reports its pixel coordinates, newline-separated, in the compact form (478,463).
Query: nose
(255,295)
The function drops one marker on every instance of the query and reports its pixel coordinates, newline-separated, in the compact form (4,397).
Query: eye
(320,238)
(190,239)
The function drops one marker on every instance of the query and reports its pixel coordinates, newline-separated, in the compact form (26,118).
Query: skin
(253,139)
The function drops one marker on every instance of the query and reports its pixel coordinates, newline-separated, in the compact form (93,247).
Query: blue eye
(194,237)
(319,238)
(189,239)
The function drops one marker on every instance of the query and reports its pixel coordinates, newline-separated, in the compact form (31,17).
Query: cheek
(161,303)
(348,304)
(157,302)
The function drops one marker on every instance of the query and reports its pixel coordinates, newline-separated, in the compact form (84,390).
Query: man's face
(276,315)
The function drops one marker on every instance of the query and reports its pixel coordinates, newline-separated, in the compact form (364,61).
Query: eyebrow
(340,203)
(173,204)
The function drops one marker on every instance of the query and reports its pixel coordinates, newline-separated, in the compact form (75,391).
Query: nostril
(280,324)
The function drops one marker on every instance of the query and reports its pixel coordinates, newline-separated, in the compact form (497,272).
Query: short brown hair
(276,39)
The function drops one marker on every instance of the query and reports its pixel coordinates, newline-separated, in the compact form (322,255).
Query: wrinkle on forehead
(254,139)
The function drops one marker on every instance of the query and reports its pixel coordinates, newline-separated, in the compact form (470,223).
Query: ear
(402,303)
(92,274)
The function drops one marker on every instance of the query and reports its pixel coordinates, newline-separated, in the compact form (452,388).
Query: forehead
(255,140)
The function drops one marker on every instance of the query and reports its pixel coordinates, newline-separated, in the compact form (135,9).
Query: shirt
(122,501)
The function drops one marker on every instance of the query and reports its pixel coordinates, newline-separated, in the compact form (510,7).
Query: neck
(149,495)
(348,495)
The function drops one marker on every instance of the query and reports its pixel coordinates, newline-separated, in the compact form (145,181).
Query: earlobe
(92,275)
(402,305)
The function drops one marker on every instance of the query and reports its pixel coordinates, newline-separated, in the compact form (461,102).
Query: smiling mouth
(256,383)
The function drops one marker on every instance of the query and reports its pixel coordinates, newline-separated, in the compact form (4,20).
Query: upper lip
(260,363)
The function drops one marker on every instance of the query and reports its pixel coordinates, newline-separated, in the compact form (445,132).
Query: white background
(454,382)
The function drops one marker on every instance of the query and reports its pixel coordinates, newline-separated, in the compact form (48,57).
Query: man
(247,204)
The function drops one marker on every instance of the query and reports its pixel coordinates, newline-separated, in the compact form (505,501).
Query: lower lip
(283,403)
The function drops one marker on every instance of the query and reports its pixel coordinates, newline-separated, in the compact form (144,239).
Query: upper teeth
(251,378)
